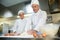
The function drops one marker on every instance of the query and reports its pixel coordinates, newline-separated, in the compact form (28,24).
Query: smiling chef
(38,18)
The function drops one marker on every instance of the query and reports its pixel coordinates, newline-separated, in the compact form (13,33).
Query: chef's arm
(14,28)
(28,25)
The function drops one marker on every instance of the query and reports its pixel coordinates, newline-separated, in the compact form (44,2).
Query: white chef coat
(19,26)
(36,20)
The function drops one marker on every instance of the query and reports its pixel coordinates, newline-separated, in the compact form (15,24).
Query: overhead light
(8,14)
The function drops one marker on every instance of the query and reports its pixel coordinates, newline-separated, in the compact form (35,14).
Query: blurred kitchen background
(9,10)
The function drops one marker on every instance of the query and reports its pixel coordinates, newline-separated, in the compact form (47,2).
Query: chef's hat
(34,2)
(19,12)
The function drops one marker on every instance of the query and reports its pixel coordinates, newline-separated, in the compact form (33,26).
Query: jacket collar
(37,12)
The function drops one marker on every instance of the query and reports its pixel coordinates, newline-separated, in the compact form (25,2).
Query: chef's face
(35,7)
(21,15)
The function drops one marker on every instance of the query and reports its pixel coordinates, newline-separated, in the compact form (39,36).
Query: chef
(20,23)
(37,20)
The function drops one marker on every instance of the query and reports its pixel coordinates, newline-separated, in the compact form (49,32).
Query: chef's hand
(31,32)
(9,34)
(18,34)
(44,35)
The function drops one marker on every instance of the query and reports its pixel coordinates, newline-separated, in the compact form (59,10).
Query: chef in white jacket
(38,18)
(20,23)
